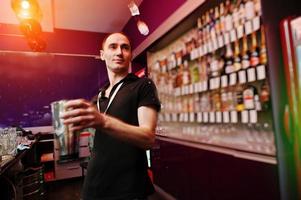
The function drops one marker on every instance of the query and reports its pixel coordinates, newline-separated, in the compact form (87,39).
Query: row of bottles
(227,22)
(213,37)
(237,98)
(238,63)
(240,98)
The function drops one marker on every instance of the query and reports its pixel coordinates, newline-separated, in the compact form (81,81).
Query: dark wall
(191,173)
(30,82)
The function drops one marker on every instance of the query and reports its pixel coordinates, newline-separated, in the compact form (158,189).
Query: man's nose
(119,50)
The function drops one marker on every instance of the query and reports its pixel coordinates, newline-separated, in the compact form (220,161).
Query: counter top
(219,149)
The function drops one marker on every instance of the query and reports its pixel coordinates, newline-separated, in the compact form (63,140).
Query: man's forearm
(140,136)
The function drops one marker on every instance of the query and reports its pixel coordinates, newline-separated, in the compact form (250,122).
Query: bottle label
(245,116)
(251,74)
(261,73)
(233,79)
(224,80)
(249,103)
(242,76)
(248,27)
(256,23)
(254,61)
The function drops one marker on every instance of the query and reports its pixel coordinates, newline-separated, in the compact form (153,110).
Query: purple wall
(30,83)
(153,12)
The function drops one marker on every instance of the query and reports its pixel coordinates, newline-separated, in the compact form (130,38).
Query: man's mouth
(118,60)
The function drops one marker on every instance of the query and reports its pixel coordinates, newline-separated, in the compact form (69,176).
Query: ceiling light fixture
(29,14)
(141,25)
(27,9)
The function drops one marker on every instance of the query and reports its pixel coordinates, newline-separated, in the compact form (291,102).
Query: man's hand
(81,114)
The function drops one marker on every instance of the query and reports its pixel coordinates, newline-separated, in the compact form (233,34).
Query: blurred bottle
(265,96)
(249,97)
(237,60)
(239,98)
(263,51)
(245,53)
(229,60)
(254,59)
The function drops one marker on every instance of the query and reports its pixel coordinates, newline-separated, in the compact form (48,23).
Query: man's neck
(115,78)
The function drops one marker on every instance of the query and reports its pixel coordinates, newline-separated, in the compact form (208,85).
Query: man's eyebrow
(110,44)
(123,44)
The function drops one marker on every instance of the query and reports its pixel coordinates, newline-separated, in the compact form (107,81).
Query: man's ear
(101,55)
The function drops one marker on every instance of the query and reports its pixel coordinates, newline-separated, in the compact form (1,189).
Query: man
(125,127)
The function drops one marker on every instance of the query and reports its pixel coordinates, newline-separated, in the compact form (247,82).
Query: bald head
(111,34)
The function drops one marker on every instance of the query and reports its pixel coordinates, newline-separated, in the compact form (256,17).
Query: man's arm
(83,115)
(142,136)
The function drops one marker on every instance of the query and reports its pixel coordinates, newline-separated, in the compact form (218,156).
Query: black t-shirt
(118,169)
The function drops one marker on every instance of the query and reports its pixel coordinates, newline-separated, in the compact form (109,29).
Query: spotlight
(29,14)
(26,9)
(142,27)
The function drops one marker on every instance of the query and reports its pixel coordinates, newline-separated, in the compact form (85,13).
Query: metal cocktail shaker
(67,140)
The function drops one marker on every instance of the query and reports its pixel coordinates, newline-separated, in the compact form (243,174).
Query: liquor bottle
(179,78)
(205,102)
(200,31)
(231,97)
(191,106)
(194,73)
(224,100)
(196,99)
(185,104)
(248,97)
(235,14)
(188,47)
(257,103)
(257,7)
(212,21)
(242,13)
(265,96)
(217,21)
(250,9)
(263,51)
(245,54)
(216,101)
(222,18)
(199,23)
(229,59)
(239,98)
(213,29)
(179,58)
(254,58)
(186,73)
(163,65)
(214,65)
(228,17)
(237,60)
(203,69)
